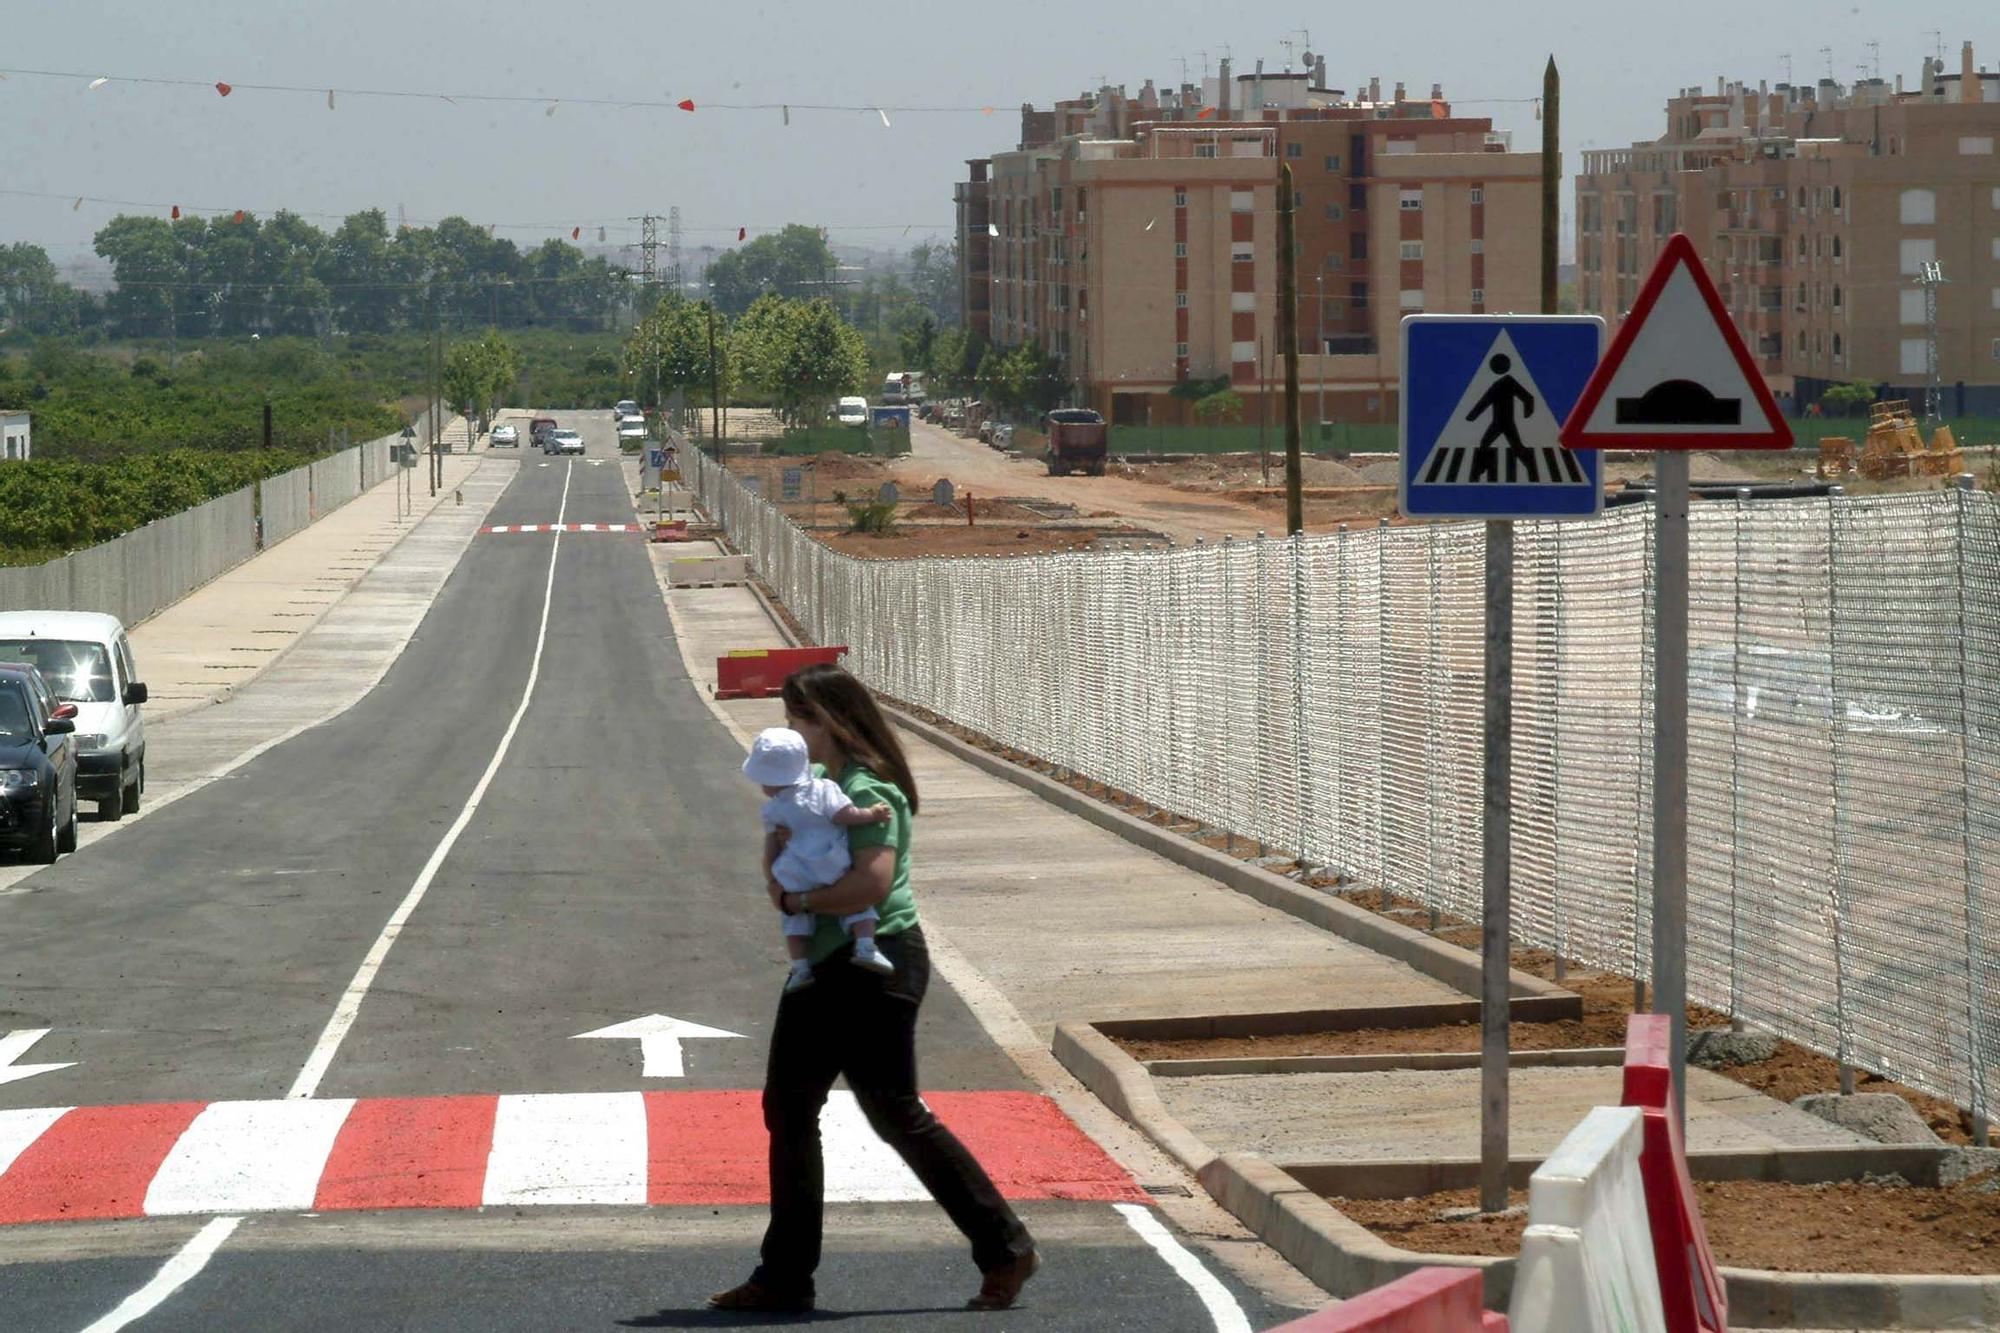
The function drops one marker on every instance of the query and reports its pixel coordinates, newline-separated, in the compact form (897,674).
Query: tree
(934,280)
(478,376)
(1024,379)
(1847,399)
(794,262)
(1221,406)
(33,297)
(670,347)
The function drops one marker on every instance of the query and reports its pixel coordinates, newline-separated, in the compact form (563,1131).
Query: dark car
(37,771)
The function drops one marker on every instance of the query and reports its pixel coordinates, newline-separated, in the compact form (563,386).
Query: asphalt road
(198,955)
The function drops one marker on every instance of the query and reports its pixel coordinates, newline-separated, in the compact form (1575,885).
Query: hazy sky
(590,166)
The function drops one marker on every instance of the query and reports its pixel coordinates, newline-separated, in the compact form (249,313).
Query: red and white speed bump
(500,529)
(631,1148)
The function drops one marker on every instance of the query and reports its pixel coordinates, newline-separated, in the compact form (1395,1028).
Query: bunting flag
(788,114)
(884,115)
(177,212)
(685,104)
(1205,113)
(239,215)
(97,83)
(223,88)
(550,112)
(575,233)
(600,235)
(329,99)
(742,232)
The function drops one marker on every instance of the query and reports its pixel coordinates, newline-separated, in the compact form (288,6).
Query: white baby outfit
(815,854)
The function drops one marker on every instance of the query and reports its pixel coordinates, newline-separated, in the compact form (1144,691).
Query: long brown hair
(837,701)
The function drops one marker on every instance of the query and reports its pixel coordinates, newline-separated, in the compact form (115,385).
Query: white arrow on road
(659,1039)
(15,1045)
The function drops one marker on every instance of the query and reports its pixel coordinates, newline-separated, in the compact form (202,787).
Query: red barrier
(1430,1300)
(676,531)
(757,673)
(1691,1291)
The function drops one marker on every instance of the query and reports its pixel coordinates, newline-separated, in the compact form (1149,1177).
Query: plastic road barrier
(1430,1300)
(1691,1291)
(758,673)
(714,571)
(1586,1262)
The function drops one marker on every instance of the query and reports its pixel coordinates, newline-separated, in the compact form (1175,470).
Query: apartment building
(1818,209)
(1135,238)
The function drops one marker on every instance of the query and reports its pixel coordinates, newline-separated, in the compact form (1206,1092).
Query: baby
(814,812)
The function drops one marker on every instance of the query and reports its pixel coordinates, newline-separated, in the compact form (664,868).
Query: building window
(1410,200)
(1298,198)
(1400,147)
(1180,198)
(1410,298)
(1996,247)
(1333,265)
(1836,347)
(1333,213)
(1836,296)
(1996,349)
(1996,196)
(1918,209)
(1243,351)
(1180,249)
(1333,163)
(1180,300)
(1479,296)
(1204,150)
(1243,303)
(1413,250)
(1180,351)
(1478,195)
(1996,298)
(1242,252)
(1357,197)
(1295,150)
(1976,146)
(1919,251)
(1478,245)
(1836,201)
(1915,359)
(1357,292)
(1910,304)
(1357,245)
(1836,250)
(1242,201)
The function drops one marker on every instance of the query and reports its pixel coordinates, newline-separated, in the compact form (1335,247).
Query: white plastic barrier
(708,571)
(1586,1261)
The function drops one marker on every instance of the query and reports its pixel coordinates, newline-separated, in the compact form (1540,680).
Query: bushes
(50,508)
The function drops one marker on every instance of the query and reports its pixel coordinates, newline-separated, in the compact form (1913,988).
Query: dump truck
(1079,441)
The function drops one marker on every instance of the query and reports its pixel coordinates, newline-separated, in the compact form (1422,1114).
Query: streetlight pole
(1319,284)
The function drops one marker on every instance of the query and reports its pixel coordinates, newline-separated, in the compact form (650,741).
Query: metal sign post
(1677,378)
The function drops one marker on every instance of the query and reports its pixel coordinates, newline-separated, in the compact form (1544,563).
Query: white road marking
(1227,1315)
(249,1157)
(173,1275)
(659,1039)
(860,1167)
(20,1129)
(349,1007)
(15,1045)
(568,1147)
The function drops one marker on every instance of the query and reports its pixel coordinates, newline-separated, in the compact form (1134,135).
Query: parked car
(504,437)
(87,660)
(623,408)
(37,774)
(852,412)
(631,431)
(566,442)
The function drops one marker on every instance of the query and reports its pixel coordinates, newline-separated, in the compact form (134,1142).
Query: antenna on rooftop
(1787,58)
(1287,45)
(1937,41)
(1875,57)
(1826,54)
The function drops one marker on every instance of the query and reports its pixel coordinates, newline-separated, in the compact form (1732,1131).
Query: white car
(631,429)
(566,442)
(852,412)
(623,408)
(505,437)
(87,660)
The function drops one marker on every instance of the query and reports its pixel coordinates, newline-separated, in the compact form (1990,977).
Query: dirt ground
(911,539)
(1847,1227)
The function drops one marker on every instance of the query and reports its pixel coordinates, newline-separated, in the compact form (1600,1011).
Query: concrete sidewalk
(208,645)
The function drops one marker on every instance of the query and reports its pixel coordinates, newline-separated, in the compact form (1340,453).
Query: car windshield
(76,670)
(15,727)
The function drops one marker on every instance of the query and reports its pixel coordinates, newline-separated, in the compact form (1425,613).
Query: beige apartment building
(1135,238)
(1817,210)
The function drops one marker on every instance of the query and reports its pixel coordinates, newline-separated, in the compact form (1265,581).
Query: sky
(536,174)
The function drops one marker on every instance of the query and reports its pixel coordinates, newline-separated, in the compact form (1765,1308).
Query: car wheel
(66,840)
(134,789)
(112,808)
(43,851)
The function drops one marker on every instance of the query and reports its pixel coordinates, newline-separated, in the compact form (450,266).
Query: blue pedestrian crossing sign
(1483,405)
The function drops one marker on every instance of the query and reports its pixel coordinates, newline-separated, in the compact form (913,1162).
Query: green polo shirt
(898,911)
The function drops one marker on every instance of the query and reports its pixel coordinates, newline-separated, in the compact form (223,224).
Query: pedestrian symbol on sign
(1467,453)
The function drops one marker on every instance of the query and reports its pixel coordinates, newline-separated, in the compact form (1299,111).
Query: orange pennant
(239,215)
(686,104)
(575,232)
(1205,113)
(742,232)
(224,89)
(177,212)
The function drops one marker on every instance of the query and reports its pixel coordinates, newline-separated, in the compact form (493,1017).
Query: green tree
(1224,405)
(795,262)
(33,297)
(934,280)
(671,347)
(1844,400)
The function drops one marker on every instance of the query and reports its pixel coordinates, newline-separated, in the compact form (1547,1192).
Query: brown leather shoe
(1000,1287)
(754,1297)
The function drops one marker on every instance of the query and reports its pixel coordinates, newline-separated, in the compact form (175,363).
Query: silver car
(505,437)
(567,442)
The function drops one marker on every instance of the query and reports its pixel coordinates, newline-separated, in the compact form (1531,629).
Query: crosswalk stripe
(568,1147)
(19,1129)
(859,1165)
(94,1162)
(249,1157)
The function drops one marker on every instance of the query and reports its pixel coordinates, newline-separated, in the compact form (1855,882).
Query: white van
(852,412)
(87,661)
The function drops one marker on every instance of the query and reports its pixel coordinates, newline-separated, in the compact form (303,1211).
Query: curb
(1345,1258)
(1455,967)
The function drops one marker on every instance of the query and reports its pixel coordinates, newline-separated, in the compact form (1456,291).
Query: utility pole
(714,389)
(1930,279)
(1288,336)
(1319,284)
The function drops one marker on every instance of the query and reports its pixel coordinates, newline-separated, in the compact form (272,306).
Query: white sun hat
(778,758)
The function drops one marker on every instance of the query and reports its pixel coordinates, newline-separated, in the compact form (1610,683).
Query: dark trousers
(859,1024)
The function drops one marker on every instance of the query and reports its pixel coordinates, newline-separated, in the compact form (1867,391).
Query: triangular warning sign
(1501,432)
(1678,375)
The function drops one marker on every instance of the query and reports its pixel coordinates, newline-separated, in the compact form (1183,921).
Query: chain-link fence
(1322,695)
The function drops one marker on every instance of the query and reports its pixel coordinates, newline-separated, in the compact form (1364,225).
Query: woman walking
(862,1024)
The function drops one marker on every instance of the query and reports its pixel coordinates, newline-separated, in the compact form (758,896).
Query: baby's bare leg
(795,946)
(863,930)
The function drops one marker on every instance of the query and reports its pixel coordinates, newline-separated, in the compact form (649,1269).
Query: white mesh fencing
(1322,696)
